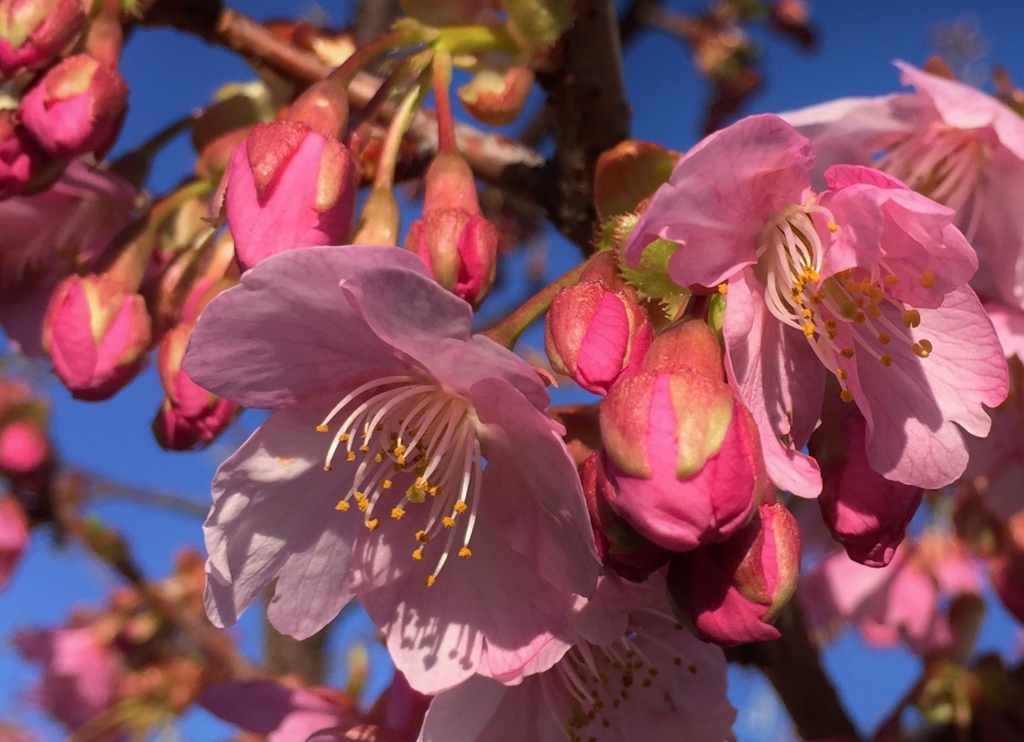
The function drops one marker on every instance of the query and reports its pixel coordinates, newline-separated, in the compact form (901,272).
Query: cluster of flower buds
(121,670)
(72,100)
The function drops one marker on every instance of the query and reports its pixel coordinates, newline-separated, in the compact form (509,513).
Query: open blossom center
(600,679)
(849,312)
(944,164)
(409,434)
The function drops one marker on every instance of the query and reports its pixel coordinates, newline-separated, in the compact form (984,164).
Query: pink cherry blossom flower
(949,141)
(79,672)
(406,462)
(865,281)
(895,604)
(50,235)
(631,673)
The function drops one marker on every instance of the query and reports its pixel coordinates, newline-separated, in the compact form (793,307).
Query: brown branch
(793,667)
(589,113)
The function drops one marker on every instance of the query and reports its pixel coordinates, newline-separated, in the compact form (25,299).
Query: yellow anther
(448,521)
(884,338)
(465,553)
(890,280)
(321,428)
(429,582)
(833,227)
(363,505)
(798,299)
(846,395)
(418,553)
(351,456)
(886,360)
(422,537)
(874,291)
(397,513)
(723,288)
(911,318)
(378,458)
(364,448)
(385,484)
(841,374)
(372,524)
(873,311)
(809,329)
(399,449)
(342,505)
(859,318)
(327,467)
(344,438)
(399,462)
(922,348)
(460,507)
(808,314)
(813,275)
(927,279)
(846,352)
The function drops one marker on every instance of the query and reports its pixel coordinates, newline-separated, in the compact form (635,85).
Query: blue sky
(171,74)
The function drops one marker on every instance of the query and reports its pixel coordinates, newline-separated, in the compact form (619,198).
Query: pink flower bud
(190,417)
(683,455)
(96,332)
(457,244)
(23,447)
(497,98)
(13,536)
(20,156)
(288,186)
(596,335)
(620,548)
(33,33)
(77,108)
(733,591)
(867,513)
(689,344)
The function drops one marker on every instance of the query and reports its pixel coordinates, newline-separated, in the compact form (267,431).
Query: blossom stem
(397,39)
(507,331)
(385,175)
(134,166)
(442,80)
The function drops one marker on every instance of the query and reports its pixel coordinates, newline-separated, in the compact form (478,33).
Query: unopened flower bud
(76,108)
(323,107)
(689,344)
(596,335)
(865,512)
(286,187)
(496,98)
(732,591)
(20,156)
(33,33)
(96,332)
(458,245)
(684,457)
(380,221)
(23,447)
(619,546)
(189,417)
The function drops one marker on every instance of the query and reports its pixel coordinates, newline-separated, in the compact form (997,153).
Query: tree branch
(793,667)
(589,113)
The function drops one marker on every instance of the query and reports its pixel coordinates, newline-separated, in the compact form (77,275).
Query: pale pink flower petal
(731,182)
(779,380)
(916,407)
(280,714)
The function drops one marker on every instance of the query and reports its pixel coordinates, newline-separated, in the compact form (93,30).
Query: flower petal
(779,379)
(273,517)
(288,331)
